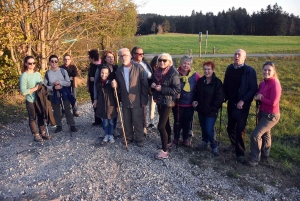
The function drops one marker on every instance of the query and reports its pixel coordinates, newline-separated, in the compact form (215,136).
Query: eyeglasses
(269,63)
(164,60)
(140,54)
(53,61)
(29,64)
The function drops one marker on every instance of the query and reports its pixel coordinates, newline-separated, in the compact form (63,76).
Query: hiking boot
(203,146)
(241,159)
(145,131)
(230,148)
(37,138)
(162,155)
(216,151)
(76,114)
(102,133)
(176,141)
(116,132)
(45,136)
(252,163)
(140,144)
(58,129)
(111,139)
(106,138)
(73,129)
(186,143)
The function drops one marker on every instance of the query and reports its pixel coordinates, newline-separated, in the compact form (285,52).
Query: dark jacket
(91,73)
(209,96)
(170,88)
(248,87)
(65,94)
(44,105)
(106,101)
(72,72)
(138,87)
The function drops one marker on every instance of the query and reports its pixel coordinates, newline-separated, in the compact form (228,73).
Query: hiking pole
(121,118)
(177,123)
(191,134)
(257,103)
(220,127)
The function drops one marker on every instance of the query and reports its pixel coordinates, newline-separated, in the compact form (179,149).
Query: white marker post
(206,40)
(200,42)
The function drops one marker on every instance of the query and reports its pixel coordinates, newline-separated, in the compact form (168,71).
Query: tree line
(272,21)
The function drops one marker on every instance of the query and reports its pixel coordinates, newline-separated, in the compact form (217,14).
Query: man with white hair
(133,86)
(240,85)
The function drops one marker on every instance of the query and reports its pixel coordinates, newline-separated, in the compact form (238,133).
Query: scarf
(185,79)
(160,73)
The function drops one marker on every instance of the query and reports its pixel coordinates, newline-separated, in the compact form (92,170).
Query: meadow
(224,44)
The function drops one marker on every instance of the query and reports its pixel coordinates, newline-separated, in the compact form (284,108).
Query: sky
(185,7)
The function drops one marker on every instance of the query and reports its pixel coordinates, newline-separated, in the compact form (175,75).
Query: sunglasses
(164,60)
(54,61)
(269,63)
(140,54)
(29,64)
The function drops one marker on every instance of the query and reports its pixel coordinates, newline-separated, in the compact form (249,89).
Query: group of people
(136,83)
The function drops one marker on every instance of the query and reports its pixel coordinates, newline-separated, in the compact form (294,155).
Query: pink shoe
(162,155)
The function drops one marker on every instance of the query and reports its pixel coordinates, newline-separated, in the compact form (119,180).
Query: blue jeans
(108,126)
(207,127)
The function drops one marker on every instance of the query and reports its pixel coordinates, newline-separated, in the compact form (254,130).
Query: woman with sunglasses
(29,82)
(165,88)
(268,96)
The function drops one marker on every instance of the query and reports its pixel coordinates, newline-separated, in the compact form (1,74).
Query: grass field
(225,44)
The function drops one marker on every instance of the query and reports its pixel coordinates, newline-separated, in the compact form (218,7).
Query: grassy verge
(225,44)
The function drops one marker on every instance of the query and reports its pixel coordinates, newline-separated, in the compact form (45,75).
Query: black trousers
(91,90)
(32,115)
(237,121)
(163,126)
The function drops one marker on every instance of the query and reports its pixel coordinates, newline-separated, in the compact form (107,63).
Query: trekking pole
(191,134)
(220,127)
(121,118)
(257,103)
(177,122)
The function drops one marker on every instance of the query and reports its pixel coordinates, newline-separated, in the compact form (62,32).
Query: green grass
(225,44)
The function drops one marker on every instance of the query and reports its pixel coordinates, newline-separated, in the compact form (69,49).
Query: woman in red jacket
(268,95)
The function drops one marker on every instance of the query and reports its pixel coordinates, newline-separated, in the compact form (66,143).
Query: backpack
(47,76)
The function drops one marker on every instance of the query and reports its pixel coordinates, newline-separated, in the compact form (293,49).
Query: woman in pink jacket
(269,96)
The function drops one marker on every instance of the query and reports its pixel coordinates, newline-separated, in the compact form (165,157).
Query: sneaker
(116,133)
(37,137)
(145,131)
(216,151)
(186,143)
(176,141)
(45,136)
(252,163)
(102,133)
(106,138)
(150,126)
(203,145)
(241,159)
(162,155)
(111,139)
(76,114)
(73,129)
(58,129)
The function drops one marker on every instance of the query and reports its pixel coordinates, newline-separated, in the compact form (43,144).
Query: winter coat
(106,101)
(44,105)
(209,96)
(170,88)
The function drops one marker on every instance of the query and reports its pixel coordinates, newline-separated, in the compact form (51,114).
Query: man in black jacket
(240,85)
(72,72)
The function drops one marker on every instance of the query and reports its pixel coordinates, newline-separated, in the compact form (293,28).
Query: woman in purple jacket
(268,95)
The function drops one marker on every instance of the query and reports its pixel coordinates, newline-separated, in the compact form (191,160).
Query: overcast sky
(185,7)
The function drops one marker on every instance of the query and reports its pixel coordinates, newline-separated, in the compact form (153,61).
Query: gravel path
(83,168)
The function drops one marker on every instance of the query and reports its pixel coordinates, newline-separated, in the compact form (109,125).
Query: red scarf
(160,73)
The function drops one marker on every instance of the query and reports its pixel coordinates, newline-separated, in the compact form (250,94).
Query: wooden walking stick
(121,118)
